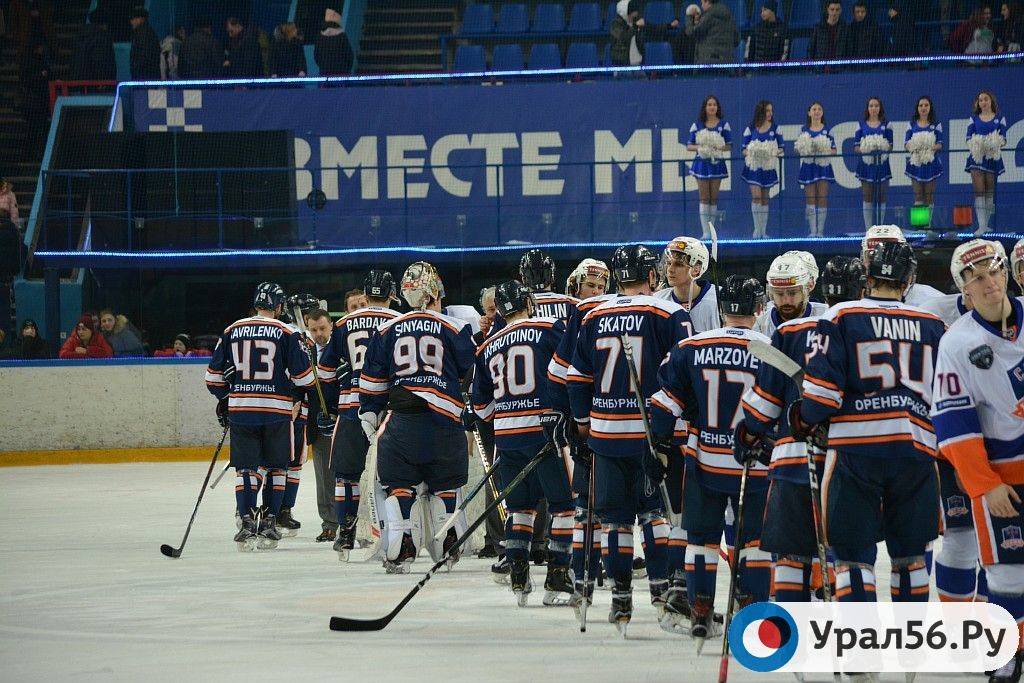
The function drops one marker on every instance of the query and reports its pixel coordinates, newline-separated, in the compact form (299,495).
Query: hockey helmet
(843,279)
(304,302)
(893,261)
(380,284)
(512,297)
(808,260)
(1017,262)
(877,234)
(788,270)
(740,296)
(633,263)
(537,270)
(268,296)
(420,284)
(689,248)
(973,252)
(588,267)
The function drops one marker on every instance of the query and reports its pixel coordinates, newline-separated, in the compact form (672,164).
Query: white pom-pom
(921,147)
(976,145)
(822,148)
(710,145)
(993,146)
(803,145)
(873,148)
(762,155)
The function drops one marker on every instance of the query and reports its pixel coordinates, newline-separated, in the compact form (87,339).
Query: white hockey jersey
(770,320)
(919,293)
(978,409)
(703,309)
(949,307)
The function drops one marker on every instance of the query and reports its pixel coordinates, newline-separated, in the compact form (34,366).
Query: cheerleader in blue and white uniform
(709,170)
(924,140)
(986,134)
(761,162)
(873,135)
(814,144)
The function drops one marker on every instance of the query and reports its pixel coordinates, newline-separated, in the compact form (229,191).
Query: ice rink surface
(86,595)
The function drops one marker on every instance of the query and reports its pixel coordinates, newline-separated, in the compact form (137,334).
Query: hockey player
(809,261)
(868,377)
(916,293)
(979,421)
(413,369)
(537,273)
(1017,264)
(588,279)
(684,261)
(604,406)
(789,527)
(702,382)
(789,288)
(510,390)
(349,445)
(254,366)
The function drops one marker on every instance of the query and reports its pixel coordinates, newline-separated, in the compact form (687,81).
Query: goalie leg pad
(442,505)
(396,518)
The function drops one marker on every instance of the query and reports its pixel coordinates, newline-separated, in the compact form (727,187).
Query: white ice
(86,595)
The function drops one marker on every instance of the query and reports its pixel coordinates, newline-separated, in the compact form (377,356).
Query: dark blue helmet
(740,296)
(537,271)
(304,302)
(842,279)
(512,297)
(633,263)
(269,296)
(893,261)
(379,284)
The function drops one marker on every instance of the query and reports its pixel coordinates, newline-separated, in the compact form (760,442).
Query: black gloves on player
(814,435)
(749,447)
(469,418)
(325,423)
(553,430)
(664,447)
(222,412)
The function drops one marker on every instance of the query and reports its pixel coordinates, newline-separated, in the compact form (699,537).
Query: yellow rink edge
(110,455)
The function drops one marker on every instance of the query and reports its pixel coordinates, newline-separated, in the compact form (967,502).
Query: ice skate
(326,535)
(519,580)
(1009,672)
(558,588)
(622,605)
(245,539)
(701,620)
(288,525)
(639,568)
(499,571)
(268,535)
(346,541)
(676,616)
(539,556)
(406,555)
(580,595)
(449,541)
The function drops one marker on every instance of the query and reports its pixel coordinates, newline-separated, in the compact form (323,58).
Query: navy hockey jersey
(549,305)
(348,343)
(869,372)
(268,362)
(765,404)
(600,389)
(510,384)
(425,352)
(558,368)
(703,382)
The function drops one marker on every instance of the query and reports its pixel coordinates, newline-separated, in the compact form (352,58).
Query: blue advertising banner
(482,164)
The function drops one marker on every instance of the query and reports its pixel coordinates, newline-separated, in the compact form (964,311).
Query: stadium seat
(805,15)
(548,18)
(581,56)
(606,56)
(798,48)
(658,54)
(585,18)
(477,19)
(469,58)
(507,58)
(545,56)
(658,12)
(512,19)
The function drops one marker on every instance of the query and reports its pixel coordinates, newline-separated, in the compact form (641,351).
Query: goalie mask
(588,268)
(687,251)
(421,284)
(973,254)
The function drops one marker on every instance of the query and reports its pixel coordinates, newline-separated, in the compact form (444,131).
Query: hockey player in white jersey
(1017,264)
(978,414)
(789,288)
(683,263)
(917,293)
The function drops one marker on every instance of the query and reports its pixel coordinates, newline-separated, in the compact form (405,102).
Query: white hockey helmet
(1016,261)
(788,270)
(588,267)
(877,234)
(690,247)
(808,259)
(420,284)
(973,252)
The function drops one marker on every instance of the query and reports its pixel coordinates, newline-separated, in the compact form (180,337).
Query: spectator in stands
(145,52)
(201,55)
(974,36)
(8,202)
(354,300)
(904,36)
(85,342)
(1010,34)
(242,51)
(831,36)
(770,40)
(714,31)
(287,58)
(36,70)
(629,31)
(332,51)
(94,52)
(170,54)
(117,13)
(865,37)
(29,345)
(31,22)
(181,347)
(123,339)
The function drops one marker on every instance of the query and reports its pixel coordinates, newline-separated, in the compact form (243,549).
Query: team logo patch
(764,636)
(956,506)
(1011,539)
(981,357)
(1016,376)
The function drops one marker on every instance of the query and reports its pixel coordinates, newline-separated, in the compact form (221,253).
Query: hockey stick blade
(220,476)
(347,624)
(767,353)
(168,551)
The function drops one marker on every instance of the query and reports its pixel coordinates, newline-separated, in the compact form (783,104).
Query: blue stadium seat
(548,18)
(477,19)
(512,19)
(806,14)
(609,17)
(657,54)
(545,56)
(606,56)
(659,12)
(507,58)
(585,18)
(581,56)
(798,48)
(469,58)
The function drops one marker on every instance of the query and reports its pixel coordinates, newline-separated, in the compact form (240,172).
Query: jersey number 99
(412,354)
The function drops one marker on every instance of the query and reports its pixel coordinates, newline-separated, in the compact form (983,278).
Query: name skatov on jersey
(619,323)
(896,328)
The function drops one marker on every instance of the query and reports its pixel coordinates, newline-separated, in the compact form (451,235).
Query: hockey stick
(220,476)
(588,548)
(167,550)
(482,452)
(465,503)
(627,345)
(714,260)
(347,624)
(734,568)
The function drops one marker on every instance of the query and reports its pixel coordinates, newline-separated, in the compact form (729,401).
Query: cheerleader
(923,140)
(762,147)
(986,135)
(814,145)
(873,141)
(710,138)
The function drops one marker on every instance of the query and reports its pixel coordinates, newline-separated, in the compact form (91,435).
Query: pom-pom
(762,155)
(710,145)
(921,147)
(874,148)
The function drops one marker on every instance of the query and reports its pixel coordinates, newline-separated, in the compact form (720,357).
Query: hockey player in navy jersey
(413,370)
(537,273)
(349,445)
(684,262)
(587,280)
(702,382)
(868,378)
(602,397)
(257,361)
(789,526)
(979,422)
(916,294)
(789,285)
(510,390)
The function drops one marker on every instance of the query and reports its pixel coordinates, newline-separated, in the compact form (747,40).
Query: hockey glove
(580,453)
(800,429)
(229,375)
(343,373)
(469,418)
(749,447)
(325,423)
(664,448)
(369,422)
(552,424)
(222,412)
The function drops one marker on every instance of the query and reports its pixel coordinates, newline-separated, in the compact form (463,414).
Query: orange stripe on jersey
(753,411)
(821,383)
(435,392)
(766,396)
(617,435)
(252,409)
(1010,472)
(823,401)
(790,329)
(580,378)
(630,309)
(556,379)
(609,416)
(535,411)
(735,472)
(714,340)
(279,397)
(715,449)
(970,459)
(894,414)
(887,311)
(518,430)
(376,380)
(661,405)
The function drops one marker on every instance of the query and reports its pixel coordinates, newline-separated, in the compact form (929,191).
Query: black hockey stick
(450,522)
(734,569)
(588,548)
(220,476)
(167,550)
(482,452)
(347,624)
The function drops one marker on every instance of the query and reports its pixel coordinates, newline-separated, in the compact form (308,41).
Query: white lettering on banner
(845,167)
(400,166)
(363,156)
(303,179)
(444,175)
(533,184)
(673,152)
(494,146)
(609,152)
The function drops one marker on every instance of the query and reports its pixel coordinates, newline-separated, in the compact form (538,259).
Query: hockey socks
(247,488)
(676,550)
(707,214)
(822,212)
(909,580)
(518,534)
(656,533)
(855,583)
(755,573)
(701,570)
(276,477)
(981,213)
(617,550)
(291,486)
(792,580)
(560,538)
(578,555)
(812,219)
(346,499)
